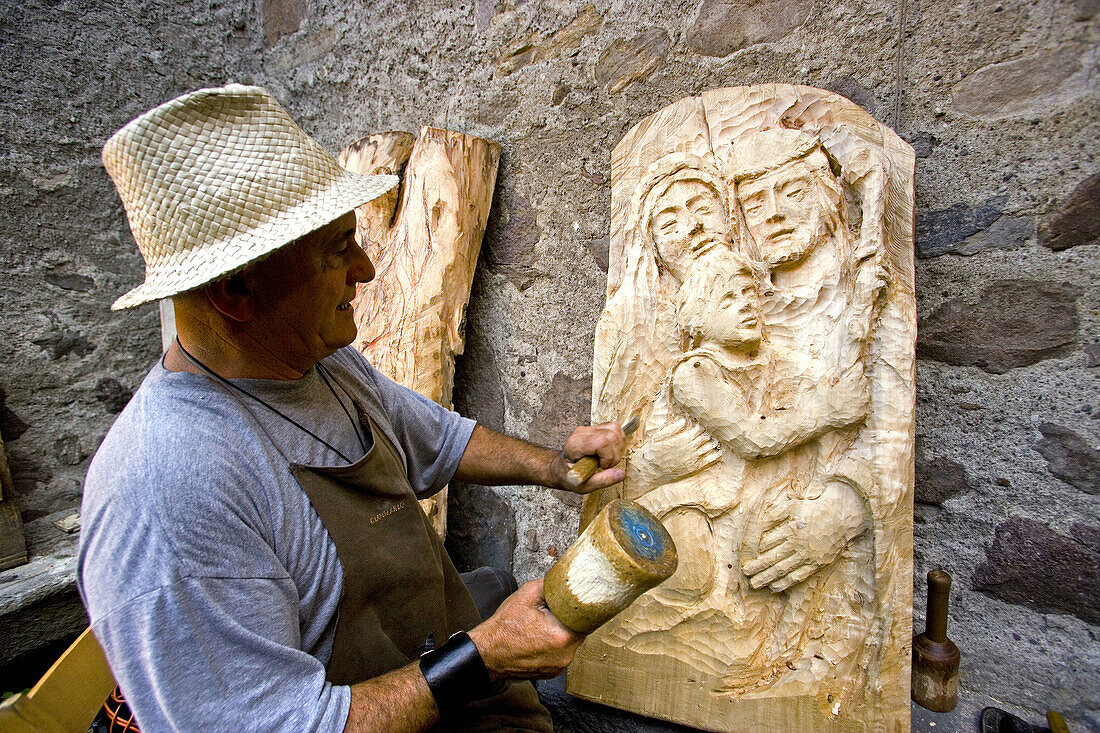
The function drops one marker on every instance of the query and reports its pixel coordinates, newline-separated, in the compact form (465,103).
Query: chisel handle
(581,471)
(586,467)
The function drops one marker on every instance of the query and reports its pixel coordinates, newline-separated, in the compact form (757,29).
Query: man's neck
(227,358)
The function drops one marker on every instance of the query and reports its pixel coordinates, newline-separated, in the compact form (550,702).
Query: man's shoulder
(174,414)
(180,481)
(180,442)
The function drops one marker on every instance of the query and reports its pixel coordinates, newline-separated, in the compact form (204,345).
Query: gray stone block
(1008,324)
(724,26)
(1030,565)
(942,231)
(1077,219)
(1070,457)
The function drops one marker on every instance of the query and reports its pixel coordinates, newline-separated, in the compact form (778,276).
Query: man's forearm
(522,640)
(492,459)
(397,701)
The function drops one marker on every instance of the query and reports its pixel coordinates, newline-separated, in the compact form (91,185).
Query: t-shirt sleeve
(197,616)
(432,437)
(219,654)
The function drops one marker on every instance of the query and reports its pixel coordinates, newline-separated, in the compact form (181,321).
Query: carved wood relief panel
(760,318)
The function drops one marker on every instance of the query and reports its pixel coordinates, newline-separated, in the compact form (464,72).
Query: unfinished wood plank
(69,524)
(760,317)
(424,240)
(13,545)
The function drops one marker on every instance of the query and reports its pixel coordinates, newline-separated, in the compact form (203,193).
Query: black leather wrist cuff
(456,674)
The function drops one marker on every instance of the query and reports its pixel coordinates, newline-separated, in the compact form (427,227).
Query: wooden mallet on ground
(935,682)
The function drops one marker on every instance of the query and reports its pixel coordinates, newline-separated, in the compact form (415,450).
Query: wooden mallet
(935,683)
(621,554)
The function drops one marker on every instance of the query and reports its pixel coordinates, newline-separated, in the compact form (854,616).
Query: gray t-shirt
(209,579)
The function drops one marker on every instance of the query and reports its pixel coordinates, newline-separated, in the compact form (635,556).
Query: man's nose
(772,209)
(696,222)
(362,269)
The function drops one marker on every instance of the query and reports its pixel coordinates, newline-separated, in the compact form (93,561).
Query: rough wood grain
(760,316)
(13,545)
(424,239)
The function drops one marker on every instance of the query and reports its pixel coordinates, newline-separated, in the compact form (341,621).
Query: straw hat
(218,178)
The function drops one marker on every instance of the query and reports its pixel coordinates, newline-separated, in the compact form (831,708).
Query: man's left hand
(605,442)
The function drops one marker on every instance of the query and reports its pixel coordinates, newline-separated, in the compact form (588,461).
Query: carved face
(688,220)
(720,302)
(787,211)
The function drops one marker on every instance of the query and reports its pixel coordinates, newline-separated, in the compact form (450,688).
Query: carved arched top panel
(760,319)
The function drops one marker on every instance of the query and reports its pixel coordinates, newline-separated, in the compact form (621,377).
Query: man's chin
(343,336)
(786,251)
(346,342)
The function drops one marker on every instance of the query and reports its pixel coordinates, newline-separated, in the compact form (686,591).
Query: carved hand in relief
(800,536)
(679,447)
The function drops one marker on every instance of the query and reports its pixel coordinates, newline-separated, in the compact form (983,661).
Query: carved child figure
(718,318)
(719,322)
(759,543)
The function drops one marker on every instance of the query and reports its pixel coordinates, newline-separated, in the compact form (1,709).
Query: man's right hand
(523,640)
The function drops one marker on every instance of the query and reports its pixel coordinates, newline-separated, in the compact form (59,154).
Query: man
(791,199)
(253,554)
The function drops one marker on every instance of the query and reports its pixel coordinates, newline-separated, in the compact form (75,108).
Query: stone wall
(71,74)
(1000,100)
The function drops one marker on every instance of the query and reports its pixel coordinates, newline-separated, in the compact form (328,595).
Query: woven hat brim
(224,258)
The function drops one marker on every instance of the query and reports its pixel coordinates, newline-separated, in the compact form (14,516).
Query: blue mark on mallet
(646,540)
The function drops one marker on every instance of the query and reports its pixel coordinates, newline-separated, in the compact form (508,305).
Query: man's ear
(233,297)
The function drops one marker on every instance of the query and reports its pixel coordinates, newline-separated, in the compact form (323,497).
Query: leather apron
(400,587)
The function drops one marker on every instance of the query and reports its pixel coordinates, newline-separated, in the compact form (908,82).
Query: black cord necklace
(324,376)
(320,370)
